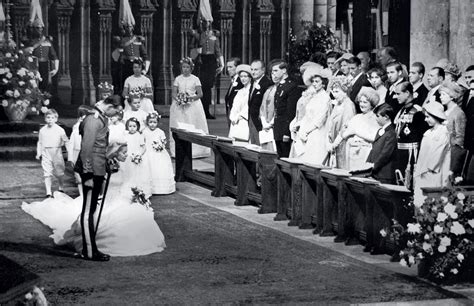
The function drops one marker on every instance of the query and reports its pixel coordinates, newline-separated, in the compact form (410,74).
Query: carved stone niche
(20,13)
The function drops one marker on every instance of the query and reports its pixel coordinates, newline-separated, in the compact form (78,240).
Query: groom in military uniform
(91,165)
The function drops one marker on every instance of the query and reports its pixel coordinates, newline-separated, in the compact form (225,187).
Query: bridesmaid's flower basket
(140,197)
(441,237)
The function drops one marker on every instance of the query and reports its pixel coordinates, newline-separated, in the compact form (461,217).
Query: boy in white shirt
(49,148)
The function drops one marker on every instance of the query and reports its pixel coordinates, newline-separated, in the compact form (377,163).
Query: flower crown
(105,87)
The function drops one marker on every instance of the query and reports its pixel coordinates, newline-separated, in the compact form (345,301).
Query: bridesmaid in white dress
(239,124)
(191,112)
(125,228)
(139,82)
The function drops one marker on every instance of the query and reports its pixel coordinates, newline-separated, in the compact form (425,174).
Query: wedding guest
(139,85)
(417,72)
(435,78)
(260,84)
(343,63)
(158,159)
(331,59)
(51,139)
(468,108)
(360,131)
(377,78)
(384,147)
(239,114)
(395,77)
(186,106)
(267,113)
(286,97)
(366,62)
(235,84)
(456,124)
(343,111)
(74,145)
(359,79)
(432,168)
(409,125)
(312,133)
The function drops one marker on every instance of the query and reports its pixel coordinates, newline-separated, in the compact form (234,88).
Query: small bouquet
(159,145)
(136,92)
(136,158)
(183,98)
(140,197)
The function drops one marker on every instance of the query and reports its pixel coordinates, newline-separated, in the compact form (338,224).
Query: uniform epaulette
(417,107)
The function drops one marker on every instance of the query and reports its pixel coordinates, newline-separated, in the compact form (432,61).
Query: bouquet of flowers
(19,81)
(183,98)
(136,158)
(140,197)
(136,92)
(442,234)
(159,145)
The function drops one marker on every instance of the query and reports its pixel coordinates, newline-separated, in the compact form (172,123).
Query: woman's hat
(452,89)
(346,56)
(313,71)
(306,65)
(244,67)
(435,109)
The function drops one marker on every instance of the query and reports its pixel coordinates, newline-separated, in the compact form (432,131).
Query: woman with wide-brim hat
(239,127)
(432,167)
(311,136)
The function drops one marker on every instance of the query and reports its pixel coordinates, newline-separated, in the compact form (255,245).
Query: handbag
(240,131)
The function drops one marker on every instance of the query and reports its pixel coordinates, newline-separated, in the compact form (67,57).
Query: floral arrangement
(442,234)
(136,92)
(183,98)
(140,197)
(136,158)
(19,81)
(159,145)
(315,38)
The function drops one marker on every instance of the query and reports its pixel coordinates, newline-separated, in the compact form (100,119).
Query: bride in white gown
(125,228)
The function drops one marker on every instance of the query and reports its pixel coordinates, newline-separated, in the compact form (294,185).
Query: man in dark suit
(286,97)
(260,84)
(395,77)
(420,92)
(359,80)
(435,78)
(384,147)
(234,86)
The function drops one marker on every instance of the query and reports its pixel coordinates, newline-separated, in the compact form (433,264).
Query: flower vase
(16,114)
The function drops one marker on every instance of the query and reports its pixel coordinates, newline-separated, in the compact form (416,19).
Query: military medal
(406,130)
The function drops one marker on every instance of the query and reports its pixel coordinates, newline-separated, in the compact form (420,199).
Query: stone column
(226,12)
(164,72)
(320,11)
(63,11)
(188,9)
(429,37)
(301,11)
(461,34)
(144,24)
(83,90)
(286,20)
(246,9)
(20,11)
(265,9)
(331,14)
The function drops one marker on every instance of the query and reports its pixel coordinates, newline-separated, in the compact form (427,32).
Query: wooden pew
(224,167)
(289,191)
(386,202)
(333,189)
(184,160)
(311,197)
(355,217)
(247,162)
